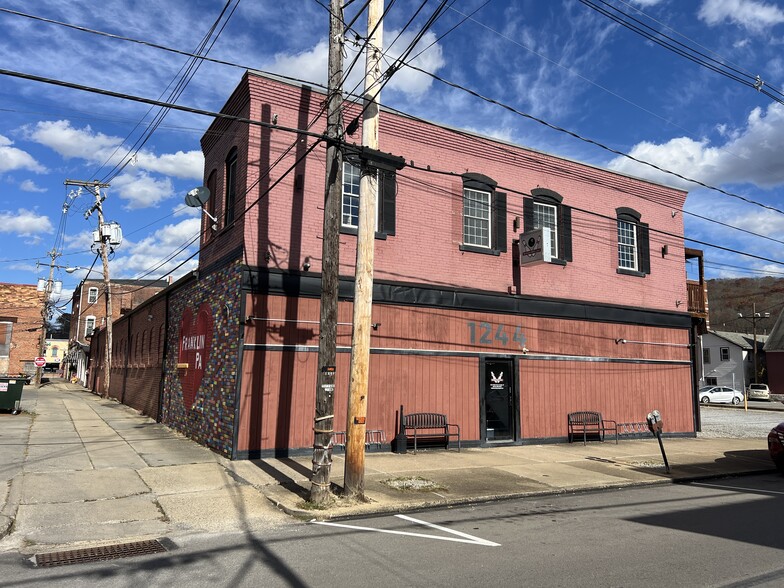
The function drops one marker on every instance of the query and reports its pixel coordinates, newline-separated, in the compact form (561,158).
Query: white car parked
(721,394)
(758,392)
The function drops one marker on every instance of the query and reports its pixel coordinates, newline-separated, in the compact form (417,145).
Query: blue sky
(561,61)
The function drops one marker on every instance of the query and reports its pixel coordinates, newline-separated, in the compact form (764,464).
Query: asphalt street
(714,533)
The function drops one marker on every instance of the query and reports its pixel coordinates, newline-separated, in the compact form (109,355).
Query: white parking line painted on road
(752,490)
(461,537)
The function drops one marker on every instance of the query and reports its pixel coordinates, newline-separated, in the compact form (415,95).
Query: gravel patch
(737,423)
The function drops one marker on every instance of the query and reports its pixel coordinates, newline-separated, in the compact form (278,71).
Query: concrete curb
(365,510)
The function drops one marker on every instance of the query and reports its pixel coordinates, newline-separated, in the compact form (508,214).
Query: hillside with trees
(728,297)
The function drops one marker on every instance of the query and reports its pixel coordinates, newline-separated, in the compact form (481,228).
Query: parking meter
(656,424)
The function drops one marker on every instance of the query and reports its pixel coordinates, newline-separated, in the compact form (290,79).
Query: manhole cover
(103,552)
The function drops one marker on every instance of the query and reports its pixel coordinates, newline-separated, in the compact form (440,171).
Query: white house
(727,359)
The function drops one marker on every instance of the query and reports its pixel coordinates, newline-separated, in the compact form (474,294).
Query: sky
(636,107)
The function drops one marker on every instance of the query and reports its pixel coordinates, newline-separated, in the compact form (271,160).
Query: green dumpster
(11,393)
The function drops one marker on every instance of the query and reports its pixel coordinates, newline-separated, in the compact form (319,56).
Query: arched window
(633,243)
(484,215)
(231,187)
(89,326)
(545,209)
(212,185)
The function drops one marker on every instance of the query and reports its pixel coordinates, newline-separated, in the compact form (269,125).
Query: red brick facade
(20,327)
(506,351)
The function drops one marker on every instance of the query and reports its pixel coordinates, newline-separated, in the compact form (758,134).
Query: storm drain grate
(104,552)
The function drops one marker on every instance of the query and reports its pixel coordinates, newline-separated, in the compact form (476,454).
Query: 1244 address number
(489,334)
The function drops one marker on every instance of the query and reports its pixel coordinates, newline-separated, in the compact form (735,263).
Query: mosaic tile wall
(211,419)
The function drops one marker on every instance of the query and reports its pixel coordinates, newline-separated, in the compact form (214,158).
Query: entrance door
(499,406)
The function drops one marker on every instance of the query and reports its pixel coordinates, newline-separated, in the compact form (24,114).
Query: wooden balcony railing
(696,291)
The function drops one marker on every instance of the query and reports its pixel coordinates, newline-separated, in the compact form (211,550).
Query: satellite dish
(197,197)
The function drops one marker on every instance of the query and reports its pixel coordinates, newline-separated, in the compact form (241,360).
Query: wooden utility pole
(354,478)
(95,190)
(45,314)
(323,422)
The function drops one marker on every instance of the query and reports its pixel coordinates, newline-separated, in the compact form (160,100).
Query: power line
(655,36)
(586,139)
(192,67)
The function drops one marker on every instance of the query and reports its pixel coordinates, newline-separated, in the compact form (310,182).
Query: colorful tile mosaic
(210,420)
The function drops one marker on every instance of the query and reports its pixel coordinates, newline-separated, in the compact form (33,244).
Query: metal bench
(590,422)
(430,426)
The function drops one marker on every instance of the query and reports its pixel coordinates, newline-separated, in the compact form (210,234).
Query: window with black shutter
(545,209)
(484,215)
(385,202)
(634,255)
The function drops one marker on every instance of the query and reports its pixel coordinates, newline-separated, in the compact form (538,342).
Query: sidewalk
(78,470)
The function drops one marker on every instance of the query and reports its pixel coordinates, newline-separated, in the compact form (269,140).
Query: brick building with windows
(20,328)
(461,326)
(88,314)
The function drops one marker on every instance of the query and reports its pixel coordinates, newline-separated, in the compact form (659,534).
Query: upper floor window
(231,187)
(349,216)
(385,201)
(92,295)
(545,210)
(476,218)
(706,358)
(725,353)
(633,243)
(484,215)
(212,185)
(89,326)
(627,245)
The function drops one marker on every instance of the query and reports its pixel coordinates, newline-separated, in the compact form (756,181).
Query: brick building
(461,327)
(88,314)
(20,328)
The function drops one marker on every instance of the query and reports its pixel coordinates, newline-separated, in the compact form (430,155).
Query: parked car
(776,446)
(721,394)
(758,392)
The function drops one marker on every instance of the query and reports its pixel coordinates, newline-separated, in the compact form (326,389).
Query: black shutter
(388,189)
(499,221)
(644,248)
(528,214)
(565,231)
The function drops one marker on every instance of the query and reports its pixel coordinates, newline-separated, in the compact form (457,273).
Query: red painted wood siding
(278,386)
(621,392)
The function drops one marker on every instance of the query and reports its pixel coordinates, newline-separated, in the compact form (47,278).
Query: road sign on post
(40,362)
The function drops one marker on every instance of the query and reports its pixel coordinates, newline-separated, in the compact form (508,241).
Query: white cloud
(141,190)
(308,65)
(312,63)
(72,143)
(185,165)
(98,148)
(752,15)
(751,154)
(24,222)
(646,3)
(30,186)
(407,80)
(12,158)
